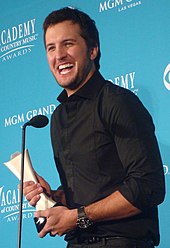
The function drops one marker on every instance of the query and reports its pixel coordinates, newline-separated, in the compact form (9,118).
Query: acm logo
(166,77)
(166,169)
(9,205)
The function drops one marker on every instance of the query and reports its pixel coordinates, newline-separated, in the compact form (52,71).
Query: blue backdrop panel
(135,55)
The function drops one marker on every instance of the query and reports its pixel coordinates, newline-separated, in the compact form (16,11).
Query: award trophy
(14,165)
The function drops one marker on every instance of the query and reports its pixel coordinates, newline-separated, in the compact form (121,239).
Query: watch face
(83,222)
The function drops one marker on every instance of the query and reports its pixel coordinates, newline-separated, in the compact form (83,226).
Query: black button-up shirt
(103,140)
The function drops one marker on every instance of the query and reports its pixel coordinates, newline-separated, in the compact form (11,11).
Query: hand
(32,190)
(60,220)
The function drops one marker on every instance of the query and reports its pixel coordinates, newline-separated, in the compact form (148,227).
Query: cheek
(51,61)
(78,53)
(82,60)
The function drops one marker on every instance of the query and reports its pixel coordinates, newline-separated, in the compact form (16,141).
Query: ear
(94,52)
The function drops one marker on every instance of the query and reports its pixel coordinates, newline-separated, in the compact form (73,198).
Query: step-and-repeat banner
(135,46)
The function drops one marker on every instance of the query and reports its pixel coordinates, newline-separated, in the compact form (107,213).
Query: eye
(69,43)
(50,48)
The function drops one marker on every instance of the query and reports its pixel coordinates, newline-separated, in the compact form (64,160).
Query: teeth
(64,72)
(61,67)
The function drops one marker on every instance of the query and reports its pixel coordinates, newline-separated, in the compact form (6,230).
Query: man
(104,148)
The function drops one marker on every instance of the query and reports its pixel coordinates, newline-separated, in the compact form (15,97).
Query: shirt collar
(89,90)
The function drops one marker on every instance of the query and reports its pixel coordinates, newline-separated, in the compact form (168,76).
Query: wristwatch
(82,220)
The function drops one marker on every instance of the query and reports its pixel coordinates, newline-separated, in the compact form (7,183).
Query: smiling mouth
(65,68)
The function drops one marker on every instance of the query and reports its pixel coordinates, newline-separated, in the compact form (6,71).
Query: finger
(25,184)
(43,232)
(32,189)
(28,187)
(46,229)
(41,213)
(28,183)
(34,200)
(32,193)
(52,232)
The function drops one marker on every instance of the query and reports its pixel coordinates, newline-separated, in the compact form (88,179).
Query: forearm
(113,207)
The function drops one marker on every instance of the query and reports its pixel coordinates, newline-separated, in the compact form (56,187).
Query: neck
(90,74)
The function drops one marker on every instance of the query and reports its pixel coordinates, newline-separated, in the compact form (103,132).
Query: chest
(80,125)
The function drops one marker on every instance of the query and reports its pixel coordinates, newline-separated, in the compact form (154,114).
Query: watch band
(82,220)
(81,212)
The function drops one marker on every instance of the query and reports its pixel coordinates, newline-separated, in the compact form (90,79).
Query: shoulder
(117,103)
(112,94)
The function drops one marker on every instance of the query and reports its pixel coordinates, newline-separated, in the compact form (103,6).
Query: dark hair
(87,25)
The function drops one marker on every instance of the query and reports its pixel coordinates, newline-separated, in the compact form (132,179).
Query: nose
(60,53)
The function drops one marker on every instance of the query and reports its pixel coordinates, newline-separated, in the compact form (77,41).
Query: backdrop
(135,49)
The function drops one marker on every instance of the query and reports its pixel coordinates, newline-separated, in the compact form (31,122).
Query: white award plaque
(14,165)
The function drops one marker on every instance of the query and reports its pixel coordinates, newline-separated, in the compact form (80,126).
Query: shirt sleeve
(133,131)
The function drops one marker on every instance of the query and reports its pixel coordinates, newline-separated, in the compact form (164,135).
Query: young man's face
(69,58)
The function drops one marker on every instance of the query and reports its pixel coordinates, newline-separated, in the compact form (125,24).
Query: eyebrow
(65,40)
(50,44)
